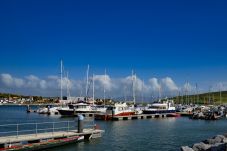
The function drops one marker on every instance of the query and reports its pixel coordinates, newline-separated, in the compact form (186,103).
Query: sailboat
(118,109)
(99,108)
(81,107)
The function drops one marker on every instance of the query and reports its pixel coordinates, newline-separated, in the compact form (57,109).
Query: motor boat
(78,108)
(119,109)
(161,108)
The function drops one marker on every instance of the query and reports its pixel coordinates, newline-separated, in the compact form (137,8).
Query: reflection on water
(148,134)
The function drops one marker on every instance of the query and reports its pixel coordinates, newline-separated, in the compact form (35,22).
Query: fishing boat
(50,110)
(74,109)
(161,108)
(119,109)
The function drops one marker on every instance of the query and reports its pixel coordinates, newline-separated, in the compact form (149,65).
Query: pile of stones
(217,143)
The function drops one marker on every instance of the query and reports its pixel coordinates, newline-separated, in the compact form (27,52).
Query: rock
(210,141)
(201,147)
(218,147)
(201,115)
(214,140)
(224,140)
(186,148)
(225,135)
(219,138)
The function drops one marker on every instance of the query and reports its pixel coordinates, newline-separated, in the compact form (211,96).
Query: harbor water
(164,134)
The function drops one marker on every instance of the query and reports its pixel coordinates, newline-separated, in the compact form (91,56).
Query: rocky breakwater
(217,143)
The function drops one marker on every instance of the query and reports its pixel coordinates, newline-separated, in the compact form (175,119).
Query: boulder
(210,141)
(219,138)
(186,148)
(225,135)
(218,147)
(201,147)
(201,115)
(224,140)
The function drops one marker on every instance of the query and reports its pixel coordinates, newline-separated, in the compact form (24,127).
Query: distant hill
(213,98)
(7,95)
(17,96)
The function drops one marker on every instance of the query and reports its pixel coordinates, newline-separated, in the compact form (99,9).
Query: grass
(213,98)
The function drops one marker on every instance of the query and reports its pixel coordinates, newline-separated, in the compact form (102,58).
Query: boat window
(71,106)
(110,108)
(157,107)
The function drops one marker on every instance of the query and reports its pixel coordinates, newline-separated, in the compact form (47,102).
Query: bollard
(48,109)
(80,123)
(28,109)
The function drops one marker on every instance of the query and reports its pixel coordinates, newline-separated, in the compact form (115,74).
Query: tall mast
(159,93)
(186,92)
(133,87)
(104,89)
(125,93)
(142,91)
(209,94)
(197,93)
(93,84)
(87,81)
(220,94)
(61,79)
(68,82)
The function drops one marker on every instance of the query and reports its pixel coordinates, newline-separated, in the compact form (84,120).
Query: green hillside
(213,98)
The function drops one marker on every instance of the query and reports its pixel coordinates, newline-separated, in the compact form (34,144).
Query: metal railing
(42,127)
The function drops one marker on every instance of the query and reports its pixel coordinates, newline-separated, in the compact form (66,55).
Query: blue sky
(184,40)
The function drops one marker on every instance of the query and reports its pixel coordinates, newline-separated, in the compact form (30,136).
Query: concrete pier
(49,137)
(140,116)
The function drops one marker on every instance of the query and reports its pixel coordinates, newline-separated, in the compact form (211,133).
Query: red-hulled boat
(119,109)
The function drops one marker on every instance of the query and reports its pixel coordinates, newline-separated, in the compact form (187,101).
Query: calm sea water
(133,135)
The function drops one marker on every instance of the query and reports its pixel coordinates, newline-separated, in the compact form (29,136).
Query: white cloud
(19,82)
(115,87)
(103,81)
(169,84)
(32,81)
(43,84)
(10,81)
(7,79)
(154,84)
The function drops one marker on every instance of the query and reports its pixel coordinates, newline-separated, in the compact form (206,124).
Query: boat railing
(41,127)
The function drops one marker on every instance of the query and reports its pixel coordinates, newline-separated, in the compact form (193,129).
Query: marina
(113,75)
(152,127)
